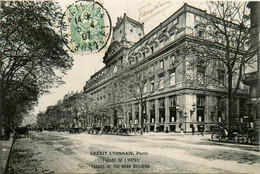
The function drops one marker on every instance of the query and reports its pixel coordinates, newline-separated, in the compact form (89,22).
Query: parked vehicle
(235,134)
(19,131)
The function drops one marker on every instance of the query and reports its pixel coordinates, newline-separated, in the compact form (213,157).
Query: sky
(87,64)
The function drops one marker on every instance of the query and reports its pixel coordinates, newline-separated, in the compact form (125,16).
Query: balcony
(172,68)
(251,78)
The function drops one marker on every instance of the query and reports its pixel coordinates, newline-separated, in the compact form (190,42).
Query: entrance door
(200,115)
(172,128)
(161,128)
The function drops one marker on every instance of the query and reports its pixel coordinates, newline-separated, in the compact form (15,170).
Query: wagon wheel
(251,138)
(237,138)
(216,136)
(244,139)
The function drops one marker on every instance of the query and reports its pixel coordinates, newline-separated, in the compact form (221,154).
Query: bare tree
(219,50)
(133,85)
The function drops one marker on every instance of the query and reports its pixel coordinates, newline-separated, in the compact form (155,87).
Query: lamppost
(185,116)
(179,110)
(193,109)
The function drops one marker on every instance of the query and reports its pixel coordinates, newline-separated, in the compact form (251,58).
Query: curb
(9,156)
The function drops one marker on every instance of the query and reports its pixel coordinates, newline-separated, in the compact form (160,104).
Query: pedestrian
(167,131)
(182,132)
(7,132)
(193,130)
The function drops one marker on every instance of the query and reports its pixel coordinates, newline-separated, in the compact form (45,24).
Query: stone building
(252,77)
(175,104)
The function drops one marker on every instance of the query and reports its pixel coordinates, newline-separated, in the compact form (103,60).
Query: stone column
(208,103)
(167,113)
(133,113)
(156,113)
(148,111)
(139,117)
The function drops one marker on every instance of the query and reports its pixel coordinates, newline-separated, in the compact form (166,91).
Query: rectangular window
(130,117)
(173,114)
(152,105)
(172,101)
(221,77)
(152,116)
(172,60)
(200,101)
(161,82)
(161,110)
(161,103)
(172,80)
(136,111)
(201,74)
(152,111)
(145,87)
(161,64)
(152,85)
(201,33)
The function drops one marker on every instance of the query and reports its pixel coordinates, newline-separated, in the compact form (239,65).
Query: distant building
(174,104)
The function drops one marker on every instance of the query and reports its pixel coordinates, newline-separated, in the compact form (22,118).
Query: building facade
(176,103)
(252,78)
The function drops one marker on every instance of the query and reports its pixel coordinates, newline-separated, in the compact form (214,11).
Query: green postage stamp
(86,27)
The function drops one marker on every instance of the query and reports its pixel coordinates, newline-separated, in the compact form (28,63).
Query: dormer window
(131,30)
(201,33)
(152,49)
(143,54)
(140,34)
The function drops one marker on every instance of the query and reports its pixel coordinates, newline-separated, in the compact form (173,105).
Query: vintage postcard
(129,86)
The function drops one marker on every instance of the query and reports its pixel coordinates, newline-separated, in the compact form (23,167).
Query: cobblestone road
(61,152)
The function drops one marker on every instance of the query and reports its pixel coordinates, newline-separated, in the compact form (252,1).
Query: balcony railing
(251,78)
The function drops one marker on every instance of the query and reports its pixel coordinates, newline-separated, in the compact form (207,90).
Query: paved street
(61,152)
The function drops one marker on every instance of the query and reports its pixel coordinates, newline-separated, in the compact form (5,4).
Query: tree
(133,85)
(32,50)
(114,100)
(221,41)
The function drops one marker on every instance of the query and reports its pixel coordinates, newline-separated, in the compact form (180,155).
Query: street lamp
(193,109)
(179,109)
(185,116)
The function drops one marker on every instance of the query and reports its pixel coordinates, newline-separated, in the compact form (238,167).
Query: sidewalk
(5,147)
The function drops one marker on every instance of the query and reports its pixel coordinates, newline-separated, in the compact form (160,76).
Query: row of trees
(32,51)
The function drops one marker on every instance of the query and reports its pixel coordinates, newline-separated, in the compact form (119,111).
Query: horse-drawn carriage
(75,129)
(19,131)
(235,134)
(95,130)
(123,131)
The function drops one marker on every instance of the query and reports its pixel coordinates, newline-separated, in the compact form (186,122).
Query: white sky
(87,65)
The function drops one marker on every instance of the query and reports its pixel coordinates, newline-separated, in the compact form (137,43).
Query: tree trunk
(1,107)
(231,104)
(115,117)
(143,113)
(142,118)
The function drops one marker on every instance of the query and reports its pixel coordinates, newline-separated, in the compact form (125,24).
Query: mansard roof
(126,18)
(184,8)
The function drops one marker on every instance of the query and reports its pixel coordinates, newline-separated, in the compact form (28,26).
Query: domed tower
(126,32)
